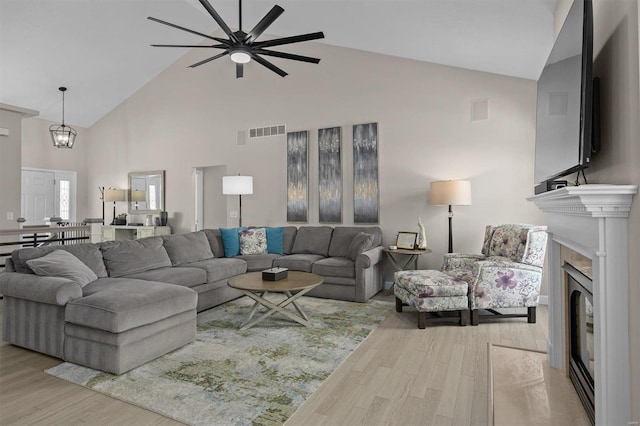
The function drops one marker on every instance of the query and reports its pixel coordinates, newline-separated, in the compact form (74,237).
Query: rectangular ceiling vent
(261,132)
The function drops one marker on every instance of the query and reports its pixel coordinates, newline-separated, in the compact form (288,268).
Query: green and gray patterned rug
(259,376)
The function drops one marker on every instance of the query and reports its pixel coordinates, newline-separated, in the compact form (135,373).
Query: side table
(401,259)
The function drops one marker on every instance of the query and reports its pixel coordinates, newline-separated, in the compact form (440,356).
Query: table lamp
(115,195)
(137,196)
(237,185)
(451,193)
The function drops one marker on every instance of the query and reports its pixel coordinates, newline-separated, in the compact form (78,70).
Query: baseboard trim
(388,284)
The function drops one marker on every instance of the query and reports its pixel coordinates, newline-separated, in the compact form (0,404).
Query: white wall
(10,159)
(188,118)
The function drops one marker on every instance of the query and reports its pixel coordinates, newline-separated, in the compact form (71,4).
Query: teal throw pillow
(275,238)
(231,241)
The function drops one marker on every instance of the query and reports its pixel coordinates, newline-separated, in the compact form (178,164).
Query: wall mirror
(146,192)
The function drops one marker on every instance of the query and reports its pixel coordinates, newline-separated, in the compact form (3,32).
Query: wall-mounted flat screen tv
(564,103)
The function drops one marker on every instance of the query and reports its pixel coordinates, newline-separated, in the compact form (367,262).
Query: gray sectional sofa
(116,305)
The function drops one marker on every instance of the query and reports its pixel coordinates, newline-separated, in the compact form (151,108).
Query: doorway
(210,204)
(47,193)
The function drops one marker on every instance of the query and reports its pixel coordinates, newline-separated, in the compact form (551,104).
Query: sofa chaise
(116,305)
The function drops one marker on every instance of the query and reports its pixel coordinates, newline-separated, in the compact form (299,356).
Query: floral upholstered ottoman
(431,291)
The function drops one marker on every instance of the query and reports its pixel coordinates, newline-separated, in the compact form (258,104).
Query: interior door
(38,196)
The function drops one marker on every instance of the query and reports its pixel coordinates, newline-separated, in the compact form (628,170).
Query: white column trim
(593,220)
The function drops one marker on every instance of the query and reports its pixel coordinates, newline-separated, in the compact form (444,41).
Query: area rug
(227,376)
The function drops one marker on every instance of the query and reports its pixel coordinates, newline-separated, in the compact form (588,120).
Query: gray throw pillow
(312,240)
(187,248)
(60,263)
(360,243)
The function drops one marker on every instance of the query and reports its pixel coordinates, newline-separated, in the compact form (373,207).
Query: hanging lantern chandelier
(63,136)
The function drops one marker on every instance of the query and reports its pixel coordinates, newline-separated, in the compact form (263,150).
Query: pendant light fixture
(63,136)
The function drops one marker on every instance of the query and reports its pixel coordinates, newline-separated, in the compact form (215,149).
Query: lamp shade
(450,192)
(138,195)
(115,195)
(237,185)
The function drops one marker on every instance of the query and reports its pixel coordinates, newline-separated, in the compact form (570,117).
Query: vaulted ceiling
(100,49)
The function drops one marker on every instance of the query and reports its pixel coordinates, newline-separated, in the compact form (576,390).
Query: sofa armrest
(460,261)
(50,290)
(370,257)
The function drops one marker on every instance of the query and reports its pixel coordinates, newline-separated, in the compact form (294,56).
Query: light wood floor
(399,375)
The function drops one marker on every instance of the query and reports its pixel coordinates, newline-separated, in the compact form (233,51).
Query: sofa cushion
(220,269)
(60,263)
(253,241)
(258,262)
(231,241)
(297,262)
(187,248)
(360,243)
(343,235)
(184,275)
(313,240)
(88,253)
(123,304)
(126,257)
(288,238)
(275,237)
(215,241)
(335,267)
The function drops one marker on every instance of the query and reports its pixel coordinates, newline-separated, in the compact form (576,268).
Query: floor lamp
(115,195)
(451,193)
(237,185)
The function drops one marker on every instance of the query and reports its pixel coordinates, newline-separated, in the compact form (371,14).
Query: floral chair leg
(531,315)
(464,317)
(398,305)
(422,320)
(474,317)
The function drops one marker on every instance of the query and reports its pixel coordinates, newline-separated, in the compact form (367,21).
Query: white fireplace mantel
(592,220)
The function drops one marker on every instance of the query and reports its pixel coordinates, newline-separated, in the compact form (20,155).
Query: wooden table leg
(273,308)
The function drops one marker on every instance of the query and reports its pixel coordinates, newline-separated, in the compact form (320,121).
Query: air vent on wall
(260,132)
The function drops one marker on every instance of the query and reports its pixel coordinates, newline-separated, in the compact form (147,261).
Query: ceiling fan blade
(215,46)
(197,64)
(288,40)
(151,18)
(264,23)
(222,40)
(287,56)
(239,70)
(218,19)
(269,65)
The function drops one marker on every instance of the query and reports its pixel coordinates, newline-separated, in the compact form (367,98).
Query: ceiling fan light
(240,56)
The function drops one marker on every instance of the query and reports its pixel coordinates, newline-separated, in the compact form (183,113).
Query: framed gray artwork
(365,173)
(330,175)
(297,176)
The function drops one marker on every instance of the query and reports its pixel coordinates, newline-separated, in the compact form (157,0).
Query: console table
(127,232)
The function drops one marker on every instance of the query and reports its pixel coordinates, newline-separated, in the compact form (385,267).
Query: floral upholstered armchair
(507,274)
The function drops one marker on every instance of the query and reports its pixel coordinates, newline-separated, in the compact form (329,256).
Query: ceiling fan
(242,47)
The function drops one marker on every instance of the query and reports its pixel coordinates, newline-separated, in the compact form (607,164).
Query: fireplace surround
(593,221)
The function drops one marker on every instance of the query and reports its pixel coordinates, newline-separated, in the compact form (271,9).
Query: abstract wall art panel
(330,175)
(297,176)
(365,173)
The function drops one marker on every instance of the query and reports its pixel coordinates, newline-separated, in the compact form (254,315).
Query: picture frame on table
(406,240)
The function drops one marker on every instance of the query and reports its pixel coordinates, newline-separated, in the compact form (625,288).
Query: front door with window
(48,193)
